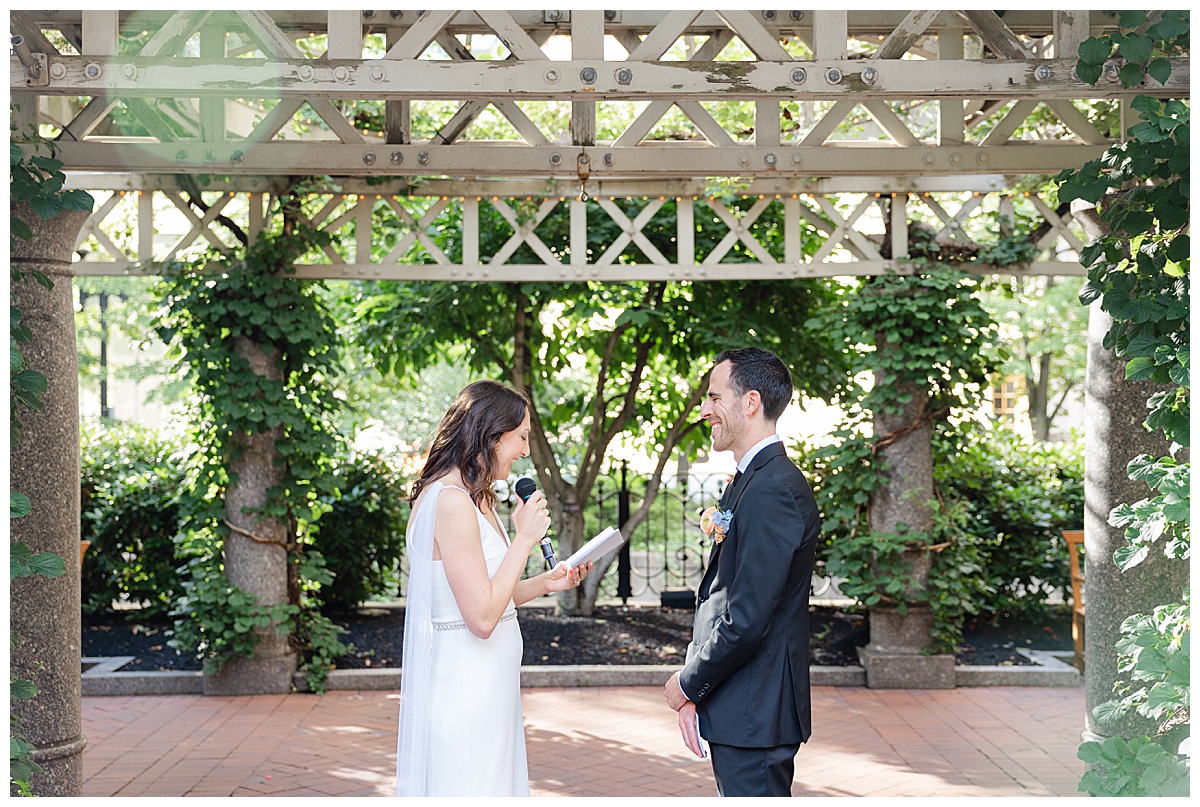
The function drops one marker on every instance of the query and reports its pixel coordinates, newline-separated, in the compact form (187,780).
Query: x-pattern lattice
(823,234)
(1016,63)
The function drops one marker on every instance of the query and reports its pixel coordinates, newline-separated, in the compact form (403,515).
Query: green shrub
(996,545)
(130,486)
(1018,497)
(361,537)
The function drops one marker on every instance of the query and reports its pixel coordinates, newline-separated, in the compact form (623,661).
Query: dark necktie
(729,488)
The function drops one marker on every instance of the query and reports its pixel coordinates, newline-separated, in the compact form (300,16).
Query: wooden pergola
(251,78)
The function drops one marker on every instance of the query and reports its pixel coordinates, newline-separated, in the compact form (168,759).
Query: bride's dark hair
(467,436)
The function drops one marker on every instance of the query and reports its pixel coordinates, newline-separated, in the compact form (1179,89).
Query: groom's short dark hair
(753,368)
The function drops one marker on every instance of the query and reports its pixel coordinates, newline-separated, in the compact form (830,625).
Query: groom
(746,673)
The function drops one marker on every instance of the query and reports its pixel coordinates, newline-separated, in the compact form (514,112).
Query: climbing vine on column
(211,310)
(1140,274)
(935,334)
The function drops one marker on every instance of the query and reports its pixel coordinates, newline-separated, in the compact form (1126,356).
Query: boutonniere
(715,523)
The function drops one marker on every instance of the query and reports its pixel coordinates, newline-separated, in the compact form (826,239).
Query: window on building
(1004,397)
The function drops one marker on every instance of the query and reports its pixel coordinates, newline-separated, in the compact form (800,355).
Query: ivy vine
(208,310)
(928,329)
(1140,274)
(36,180)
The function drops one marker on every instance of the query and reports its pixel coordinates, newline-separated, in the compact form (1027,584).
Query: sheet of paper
(601,545)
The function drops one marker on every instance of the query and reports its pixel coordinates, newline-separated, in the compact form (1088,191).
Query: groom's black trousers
(753,771)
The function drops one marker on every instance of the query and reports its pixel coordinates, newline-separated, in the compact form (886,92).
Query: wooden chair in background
(1074,539)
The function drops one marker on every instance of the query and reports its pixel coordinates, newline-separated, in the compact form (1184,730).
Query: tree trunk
(44,613)
(581,600)
(256,559)
(1039,397)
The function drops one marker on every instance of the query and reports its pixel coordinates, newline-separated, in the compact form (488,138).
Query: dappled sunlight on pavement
(602,741)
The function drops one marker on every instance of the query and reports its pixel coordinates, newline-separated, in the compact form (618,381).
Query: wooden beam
(345,34)
(906,34)
(513,160)
(424,79)
(996,35)
(99,33)
(1070,30)
(587,43)
(829,35)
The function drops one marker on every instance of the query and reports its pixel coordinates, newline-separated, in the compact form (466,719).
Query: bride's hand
(531,519)
(563,577)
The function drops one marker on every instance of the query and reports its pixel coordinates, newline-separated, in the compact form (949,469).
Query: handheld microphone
(525,488)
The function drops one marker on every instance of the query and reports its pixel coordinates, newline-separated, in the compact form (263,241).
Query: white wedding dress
(461,730)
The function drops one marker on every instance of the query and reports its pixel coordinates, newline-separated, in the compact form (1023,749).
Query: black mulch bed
(615,635)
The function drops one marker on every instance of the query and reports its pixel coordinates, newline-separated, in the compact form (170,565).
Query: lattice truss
(639,105)
(391,236)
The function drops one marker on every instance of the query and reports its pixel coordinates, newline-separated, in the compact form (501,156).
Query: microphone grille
(525,488)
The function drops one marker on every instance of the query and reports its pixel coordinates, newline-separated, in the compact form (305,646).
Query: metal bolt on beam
(833,75)
(799,75)
(397,157)
(341,73)
(129,71)
(369,158)
(423,158)
(770,160)
(555,159)
(1042,73)
(624,76)
(870,75)
(58,71)
(93,71)
(588,75)
(552,76)
(378,73)
(306,72)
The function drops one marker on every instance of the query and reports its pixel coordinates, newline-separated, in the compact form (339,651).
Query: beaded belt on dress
(508,615)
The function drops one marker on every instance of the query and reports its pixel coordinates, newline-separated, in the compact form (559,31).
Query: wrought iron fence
(665,558)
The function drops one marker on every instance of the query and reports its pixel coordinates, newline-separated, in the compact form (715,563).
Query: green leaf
(1095,51)
(22,689)
(1126,557)
(19,505)
(1159,70)
(1136,48)
(1131,74)
(1131,19)
(47,564)
(1140,368)
(1103,713)
(1089,73)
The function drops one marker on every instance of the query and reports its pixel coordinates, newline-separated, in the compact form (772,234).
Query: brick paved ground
(601,741)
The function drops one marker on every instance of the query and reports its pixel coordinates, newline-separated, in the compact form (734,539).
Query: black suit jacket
(747,665)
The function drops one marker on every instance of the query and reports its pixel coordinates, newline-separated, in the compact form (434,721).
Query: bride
(461,732)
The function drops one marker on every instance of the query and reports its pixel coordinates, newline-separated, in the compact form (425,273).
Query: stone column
(44,614)
(255,550)
(894,657)
(1114,412)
